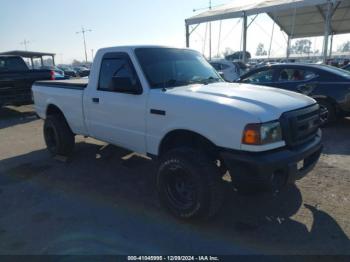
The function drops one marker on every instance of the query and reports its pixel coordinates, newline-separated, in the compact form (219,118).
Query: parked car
(68,71)
(171,105)
(242,67)
(328,85)
(229,70)
(82,71)
(347,67)
(58,73)
(16,80)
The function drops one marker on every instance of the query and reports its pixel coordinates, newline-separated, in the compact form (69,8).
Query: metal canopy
(31,55)
(297,18)
(310,20)
(250,7)
(27,54)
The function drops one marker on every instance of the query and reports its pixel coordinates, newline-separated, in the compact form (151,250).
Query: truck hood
(266,103)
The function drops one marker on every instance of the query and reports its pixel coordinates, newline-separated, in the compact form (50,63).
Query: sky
(51,26)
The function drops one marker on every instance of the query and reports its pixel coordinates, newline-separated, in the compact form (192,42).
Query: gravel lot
(103,201)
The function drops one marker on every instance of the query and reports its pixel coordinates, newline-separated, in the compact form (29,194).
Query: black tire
(330,116)
(185,171)
(58,136)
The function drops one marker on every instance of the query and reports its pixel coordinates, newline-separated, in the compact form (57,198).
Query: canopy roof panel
(297,18)
(310,21)
(27,54)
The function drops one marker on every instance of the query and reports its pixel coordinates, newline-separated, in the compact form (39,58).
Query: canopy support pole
(187,35)
(273,29)
(219,39)
(288,47)
(244,56)
(331,47)
(327,31)
(209,41)
(209,33)
(31,60)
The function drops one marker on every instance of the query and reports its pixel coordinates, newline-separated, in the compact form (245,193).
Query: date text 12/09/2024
(173,258)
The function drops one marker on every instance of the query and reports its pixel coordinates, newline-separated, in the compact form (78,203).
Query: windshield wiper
(207,81)
(170,83)
(174,83)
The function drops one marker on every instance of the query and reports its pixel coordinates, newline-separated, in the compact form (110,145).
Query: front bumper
(273,169)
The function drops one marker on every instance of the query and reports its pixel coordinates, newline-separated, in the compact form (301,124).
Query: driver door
(115,113)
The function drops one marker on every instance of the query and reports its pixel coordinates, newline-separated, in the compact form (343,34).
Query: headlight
(262,134)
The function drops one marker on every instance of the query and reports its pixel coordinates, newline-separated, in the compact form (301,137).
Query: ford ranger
(171,105)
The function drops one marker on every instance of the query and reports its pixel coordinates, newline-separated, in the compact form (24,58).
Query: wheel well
(53,110)
(329,100)
(185,138)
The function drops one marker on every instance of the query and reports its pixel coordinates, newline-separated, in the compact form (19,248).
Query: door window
(260,77)
(16,64)
(2,65)
(216,66)
(115,67)
(293,75)
(224,67)
(219,66)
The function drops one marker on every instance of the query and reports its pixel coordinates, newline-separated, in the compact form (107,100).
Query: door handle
(306,89)
(95,100)
(301,87)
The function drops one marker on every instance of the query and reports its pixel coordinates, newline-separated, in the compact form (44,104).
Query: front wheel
(328,112)
(189,184)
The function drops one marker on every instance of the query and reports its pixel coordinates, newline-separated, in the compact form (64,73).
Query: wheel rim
(50,138)
(180,188)
(324,115)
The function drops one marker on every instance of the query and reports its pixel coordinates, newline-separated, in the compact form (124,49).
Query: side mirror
(221,74)
(126,85)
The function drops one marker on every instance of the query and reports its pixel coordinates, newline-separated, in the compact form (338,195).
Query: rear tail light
(52,74)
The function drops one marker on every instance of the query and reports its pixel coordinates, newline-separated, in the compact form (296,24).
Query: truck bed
(69,84)
(67,95)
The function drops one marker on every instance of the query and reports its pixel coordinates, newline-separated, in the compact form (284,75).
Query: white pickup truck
(171,105)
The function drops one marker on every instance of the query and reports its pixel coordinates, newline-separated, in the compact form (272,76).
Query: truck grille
(301,125)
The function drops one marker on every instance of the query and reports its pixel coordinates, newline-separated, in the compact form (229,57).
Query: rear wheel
(189,184)
(58,137)
(328,112)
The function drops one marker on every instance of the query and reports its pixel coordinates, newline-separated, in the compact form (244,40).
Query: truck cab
(171,105)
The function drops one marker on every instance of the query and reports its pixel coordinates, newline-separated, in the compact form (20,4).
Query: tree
(76,63)
(345,47)
(260,50)
(302,46)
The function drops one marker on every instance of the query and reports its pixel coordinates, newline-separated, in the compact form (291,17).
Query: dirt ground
(103,201)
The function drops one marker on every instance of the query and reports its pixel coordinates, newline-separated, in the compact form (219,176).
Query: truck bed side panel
(68,100)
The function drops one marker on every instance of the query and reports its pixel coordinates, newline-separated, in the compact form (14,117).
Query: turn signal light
(251,135)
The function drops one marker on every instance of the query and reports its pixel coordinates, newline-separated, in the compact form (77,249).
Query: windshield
(170,67)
